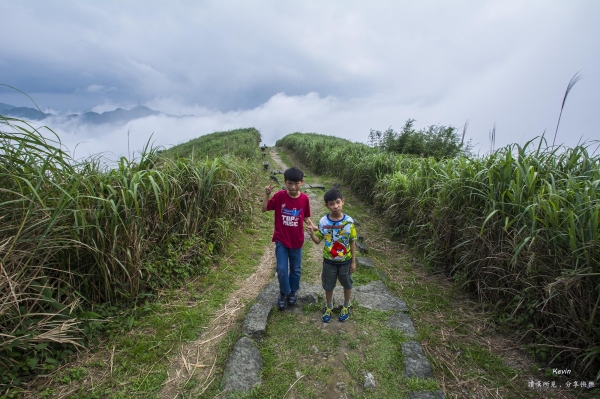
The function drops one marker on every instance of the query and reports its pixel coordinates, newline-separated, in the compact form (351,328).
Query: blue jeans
(288,281)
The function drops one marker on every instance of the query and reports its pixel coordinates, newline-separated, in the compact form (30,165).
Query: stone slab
(362,248)
(268,295)
(415,361)
(403,322)
(322,187)
(437,394)
(242,372)
(365,262)
(376,295)
(255,322)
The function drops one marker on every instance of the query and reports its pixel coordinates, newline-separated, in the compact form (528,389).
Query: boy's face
(335,206)
(293,187)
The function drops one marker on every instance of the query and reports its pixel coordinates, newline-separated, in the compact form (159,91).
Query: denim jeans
(288,280)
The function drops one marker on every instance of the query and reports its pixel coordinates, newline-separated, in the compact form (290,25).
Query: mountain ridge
(119,115)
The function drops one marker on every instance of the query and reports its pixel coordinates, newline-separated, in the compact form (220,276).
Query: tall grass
(520,228)
(73,234)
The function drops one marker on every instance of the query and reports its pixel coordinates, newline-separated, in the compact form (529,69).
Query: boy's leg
(328,279)
(347,295)
(329,298)
(282,257)
(295,256)
(327,309)
(347,282)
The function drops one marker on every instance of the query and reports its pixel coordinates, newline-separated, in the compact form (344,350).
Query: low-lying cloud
(283,114)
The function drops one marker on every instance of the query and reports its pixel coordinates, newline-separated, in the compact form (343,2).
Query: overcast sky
(338,67)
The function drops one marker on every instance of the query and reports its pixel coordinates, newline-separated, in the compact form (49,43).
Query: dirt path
(197,359)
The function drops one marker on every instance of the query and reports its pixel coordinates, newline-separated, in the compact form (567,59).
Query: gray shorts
(333,271)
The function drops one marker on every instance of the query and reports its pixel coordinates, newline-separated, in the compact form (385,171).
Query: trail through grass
(180,345)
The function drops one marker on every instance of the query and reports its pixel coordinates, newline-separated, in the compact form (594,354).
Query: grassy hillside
(239,143)
(519,228)
(78,242)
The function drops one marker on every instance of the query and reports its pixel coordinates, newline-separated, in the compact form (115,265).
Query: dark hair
(332,195)
(293,174)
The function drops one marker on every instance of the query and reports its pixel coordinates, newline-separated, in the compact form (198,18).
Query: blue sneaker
(282,301)
(326,316)
(345,313)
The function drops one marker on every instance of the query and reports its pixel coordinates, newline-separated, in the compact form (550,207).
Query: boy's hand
(309,229)
(353,266)
(269,188)
(310,225)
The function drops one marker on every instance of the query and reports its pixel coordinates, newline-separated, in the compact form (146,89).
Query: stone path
(244,365)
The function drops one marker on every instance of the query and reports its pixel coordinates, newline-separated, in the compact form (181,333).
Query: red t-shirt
(289,218)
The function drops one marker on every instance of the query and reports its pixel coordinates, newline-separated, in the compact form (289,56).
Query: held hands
(310,227)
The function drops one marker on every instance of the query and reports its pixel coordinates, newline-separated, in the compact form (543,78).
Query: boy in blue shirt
(339,260)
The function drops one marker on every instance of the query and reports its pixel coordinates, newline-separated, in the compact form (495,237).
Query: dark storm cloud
(338,68)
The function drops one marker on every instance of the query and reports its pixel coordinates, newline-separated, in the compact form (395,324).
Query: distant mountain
(119,115)
(4,107)
(31,114)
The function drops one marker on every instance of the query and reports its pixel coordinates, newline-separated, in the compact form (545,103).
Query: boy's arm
(353,250)
(268,190)
(311,232)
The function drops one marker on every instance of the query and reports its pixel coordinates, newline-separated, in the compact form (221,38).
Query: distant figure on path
(292,210)
(339,252)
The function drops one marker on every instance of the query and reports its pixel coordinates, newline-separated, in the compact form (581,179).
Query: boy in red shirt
(292,210)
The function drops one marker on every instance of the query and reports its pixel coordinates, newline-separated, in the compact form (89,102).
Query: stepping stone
(362,248)
(317,186)
(255,322)
(242,372)
(437,394)
(365,262)
(415,361)
(376,295)
(402,322)
(268,296)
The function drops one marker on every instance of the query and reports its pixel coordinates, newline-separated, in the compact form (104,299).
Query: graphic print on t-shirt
(290,217)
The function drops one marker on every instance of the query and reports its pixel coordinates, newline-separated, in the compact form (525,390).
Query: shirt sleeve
(319,233)
(353,235)
(307,213)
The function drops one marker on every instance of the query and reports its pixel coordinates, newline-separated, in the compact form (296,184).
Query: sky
(338,68)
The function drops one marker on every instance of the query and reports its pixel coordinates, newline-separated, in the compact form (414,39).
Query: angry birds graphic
(338,250)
